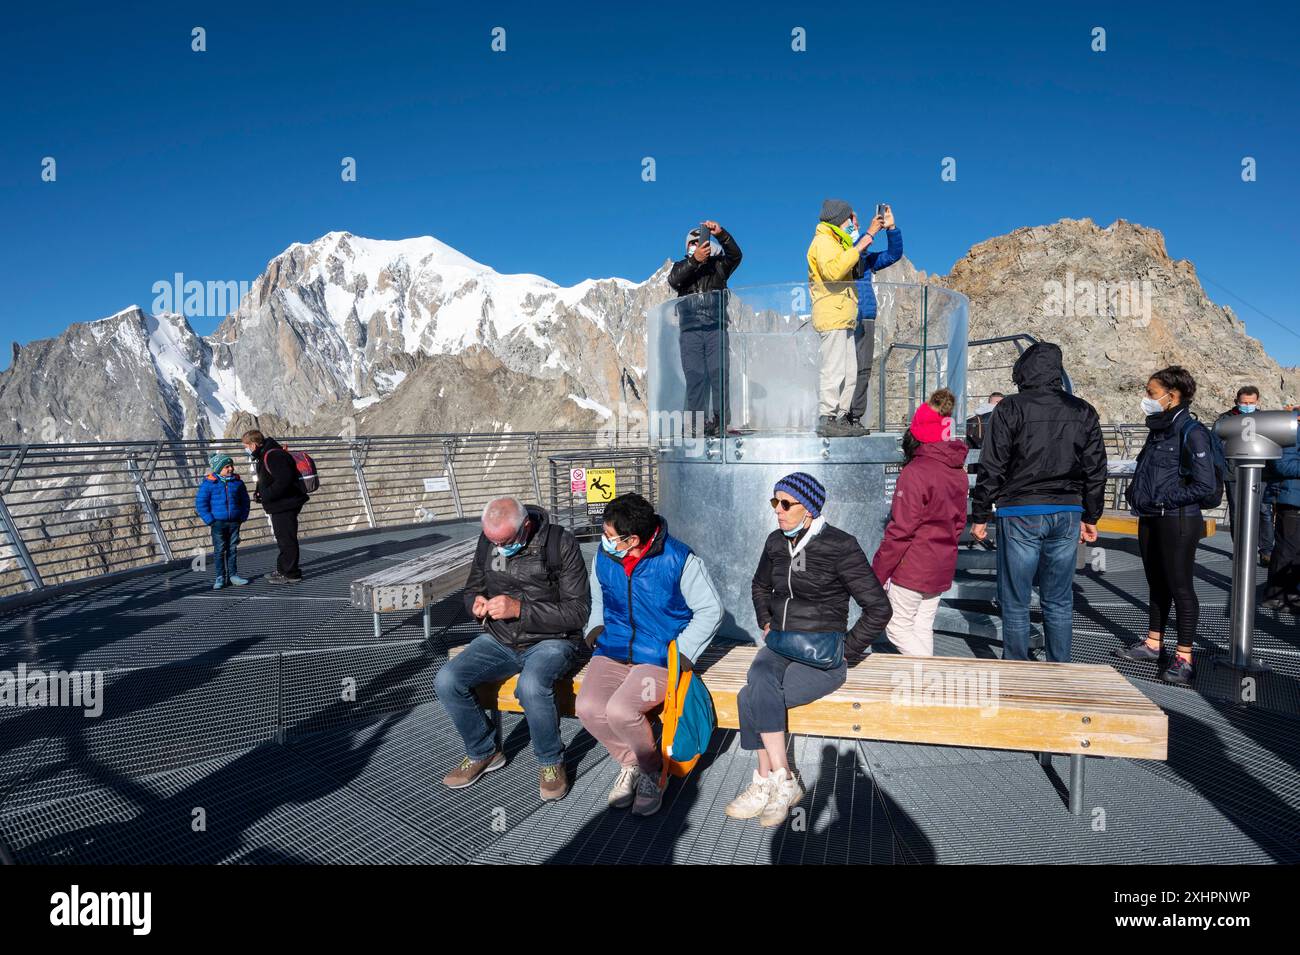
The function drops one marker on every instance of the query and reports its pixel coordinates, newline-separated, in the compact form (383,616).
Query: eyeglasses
(784,505)
(615,540)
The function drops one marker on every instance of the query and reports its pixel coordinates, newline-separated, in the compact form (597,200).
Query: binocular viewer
(1260,436)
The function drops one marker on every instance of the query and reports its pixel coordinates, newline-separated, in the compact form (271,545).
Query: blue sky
(530,160)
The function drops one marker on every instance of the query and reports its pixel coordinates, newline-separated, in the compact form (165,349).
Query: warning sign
(602,487)
(578,480)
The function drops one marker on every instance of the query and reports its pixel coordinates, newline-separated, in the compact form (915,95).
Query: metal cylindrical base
(1245,541)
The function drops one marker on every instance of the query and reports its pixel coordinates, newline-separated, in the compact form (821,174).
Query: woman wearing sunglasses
(807,572)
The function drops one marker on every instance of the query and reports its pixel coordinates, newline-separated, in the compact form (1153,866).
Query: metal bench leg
(1076,783)
(498,730)
(376,626)
(1045,760)
(427,624)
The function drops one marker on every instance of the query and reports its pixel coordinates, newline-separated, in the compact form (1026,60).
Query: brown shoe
(469,770)
(555,782)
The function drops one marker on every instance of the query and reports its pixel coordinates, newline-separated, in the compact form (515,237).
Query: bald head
(502,519)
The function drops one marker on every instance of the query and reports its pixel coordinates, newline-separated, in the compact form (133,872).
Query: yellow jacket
(830,279)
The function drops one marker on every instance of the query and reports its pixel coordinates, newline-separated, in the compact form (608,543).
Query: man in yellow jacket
(832,258)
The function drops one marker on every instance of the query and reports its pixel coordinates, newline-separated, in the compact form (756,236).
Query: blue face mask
(794,533)
(1247,409)
(509,550)
(611,547)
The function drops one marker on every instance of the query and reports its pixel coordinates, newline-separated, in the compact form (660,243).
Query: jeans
(706,389)
(1046,545)
(487,660)
(225,542)
(774,685)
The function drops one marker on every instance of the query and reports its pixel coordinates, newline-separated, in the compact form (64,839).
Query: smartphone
(880,208)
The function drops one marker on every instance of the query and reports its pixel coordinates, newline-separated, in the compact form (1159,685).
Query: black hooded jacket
(554,604)
(699,282)
(1042,446)
(278,486)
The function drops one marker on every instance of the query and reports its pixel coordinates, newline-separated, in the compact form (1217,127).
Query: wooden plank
(1115,522)
(950,701)
(416,583)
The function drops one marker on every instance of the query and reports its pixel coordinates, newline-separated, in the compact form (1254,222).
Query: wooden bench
(1075,709)
(1118,522)
(416,584)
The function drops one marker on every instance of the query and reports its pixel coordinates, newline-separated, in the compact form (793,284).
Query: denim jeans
(1046,545)
(487,660)
(225,543)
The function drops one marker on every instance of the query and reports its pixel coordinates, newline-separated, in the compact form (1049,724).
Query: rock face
(1119,307)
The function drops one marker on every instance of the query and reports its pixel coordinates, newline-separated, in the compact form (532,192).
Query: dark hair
(996,394)
(1247,390)
(910,443)
(632,514)
(1177,378)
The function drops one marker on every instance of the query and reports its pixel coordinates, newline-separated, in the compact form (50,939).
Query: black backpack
(550,553)
(1215,498)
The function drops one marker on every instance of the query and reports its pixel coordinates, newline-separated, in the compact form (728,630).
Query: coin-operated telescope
(1250,441)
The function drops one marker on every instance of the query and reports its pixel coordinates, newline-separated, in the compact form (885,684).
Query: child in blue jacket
(222,503)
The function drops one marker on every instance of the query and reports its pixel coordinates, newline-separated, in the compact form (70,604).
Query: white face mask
(853,232)
(1152,406)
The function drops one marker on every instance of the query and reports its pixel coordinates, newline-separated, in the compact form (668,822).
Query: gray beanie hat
(836,211)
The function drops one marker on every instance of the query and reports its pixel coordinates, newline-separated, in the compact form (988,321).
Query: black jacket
(278,486)
(1158,488)
(701,281)
(816,598)
(549,609)
(1042,446)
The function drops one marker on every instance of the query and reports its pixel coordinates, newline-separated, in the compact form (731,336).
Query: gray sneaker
(1180,672)
(649,797)
(1139,652)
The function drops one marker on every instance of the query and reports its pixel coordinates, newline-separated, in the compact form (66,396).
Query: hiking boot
(275,577)
(554,782)
(829,427)
(785,792)
(218,584)
(753,800)
(712,429)
(1180,672)
(238,581)
(852,426)
(470,770)
(649,797)
(1139,652)
(624,791)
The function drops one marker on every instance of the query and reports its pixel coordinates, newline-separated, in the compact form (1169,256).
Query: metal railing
(73,511)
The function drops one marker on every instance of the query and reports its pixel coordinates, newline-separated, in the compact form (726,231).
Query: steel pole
(1245,550)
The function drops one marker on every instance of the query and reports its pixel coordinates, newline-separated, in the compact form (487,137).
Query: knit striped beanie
(805,489)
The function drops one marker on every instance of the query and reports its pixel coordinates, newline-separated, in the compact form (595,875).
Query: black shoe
(1179,672)
(852,426)
(1272,603)
(1139,652)
(828,427)
(712,429)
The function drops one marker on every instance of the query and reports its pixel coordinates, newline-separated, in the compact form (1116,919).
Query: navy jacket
(218,500)
(873,262)
(1284,475)
(1158,488)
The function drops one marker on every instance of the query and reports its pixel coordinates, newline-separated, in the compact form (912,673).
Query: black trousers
(864,340)
(1284,568)
(702,359)
(1168,548)
(285,527)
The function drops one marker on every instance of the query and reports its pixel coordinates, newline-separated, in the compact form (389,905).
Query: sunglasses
(784,505)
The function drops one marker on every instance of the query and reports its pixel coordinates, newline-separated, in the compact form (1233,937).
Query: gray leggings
(775,684)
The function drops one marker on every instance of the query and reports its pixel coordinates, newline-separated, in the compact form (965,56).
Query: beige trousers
(839,372)
(911,628)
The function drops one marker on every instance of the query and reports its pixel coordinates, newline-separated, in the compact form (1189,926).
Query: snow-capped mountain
(339,322)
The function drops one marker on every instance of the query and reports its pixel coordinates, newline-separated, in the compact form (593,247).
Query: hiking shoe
(712,429)
(753,800)
(649,797)
(1139,652)
(624,791)
(218,584)
(275,577)
(1272,603)
(238,581)
(554,782)
(852,426)
(1180,672)
(786,791)
(470,770)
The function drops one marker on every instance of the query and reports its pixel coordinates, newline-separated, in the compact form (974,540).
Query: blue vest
(646,611)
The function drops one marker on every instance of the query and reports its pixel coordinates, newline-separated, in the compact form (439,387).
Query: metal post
(532,464)
(150,512)
(20,546)
(1076,783)
(427,623)
(376,624)
(451,474)
(1241,632)
(359,469)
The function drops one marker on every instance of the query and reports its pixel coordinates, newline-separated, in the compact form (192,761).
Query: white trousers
(911,628)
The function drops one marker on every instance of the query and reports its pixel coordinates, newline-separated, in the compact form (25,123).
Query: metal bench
(1075,709)
(416,584)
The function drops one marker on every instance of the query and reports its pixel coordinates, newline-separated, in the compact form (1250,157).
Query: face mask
(1152,406)
(853,232)
(509,550)
(1247,409)
(611,547)
(794,533)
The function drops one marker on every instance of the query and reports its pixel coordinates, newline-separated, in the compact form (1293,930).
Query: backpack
(550,553)
(688,719)
(1217,456)
(307,473)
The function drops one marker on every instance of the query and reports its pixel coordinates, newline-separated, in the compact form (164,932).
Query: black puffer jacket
(816,598)
(1042,446)
(550,608)
(278,486)
(701,285)
(1158,488)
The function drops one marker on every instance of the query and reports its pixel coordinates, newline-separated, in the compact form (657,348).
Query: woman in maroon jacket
(918,557)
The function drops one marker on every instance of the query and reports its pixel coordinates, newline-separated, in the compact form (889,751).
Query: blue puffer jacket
(873,262)
(1284,475)
(1158,488)
(645,611)
(222,499)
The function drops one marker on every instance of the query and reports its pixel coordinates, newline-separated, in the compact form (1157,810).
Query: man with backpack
(282,494)
(529,591)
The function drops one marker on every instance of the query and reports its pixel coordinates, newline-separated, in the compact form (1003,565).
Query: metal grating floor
(203,682)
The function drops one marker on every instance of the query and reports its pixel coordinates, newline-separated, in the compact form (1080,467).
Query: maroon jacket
(919,551)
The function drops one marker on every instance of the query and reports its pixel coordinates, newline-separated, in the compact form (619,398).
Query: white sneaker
(751,802)
(624,791)
(649,797)
(786,791)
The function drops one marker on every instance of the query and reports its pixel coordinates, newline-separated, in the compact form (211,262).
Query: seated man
(648,589)
(528,589)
